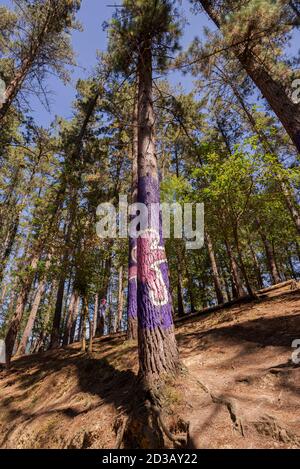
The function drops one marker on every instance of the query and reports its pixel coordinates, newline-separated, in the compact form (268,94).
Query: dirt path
(242,388)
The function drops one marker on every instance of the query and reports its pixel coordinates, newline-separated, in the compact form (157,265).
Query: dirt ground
(241,387)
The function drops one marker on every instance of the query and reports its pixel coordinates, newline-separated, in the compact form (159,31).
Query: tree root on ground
(231,406)
(145,426)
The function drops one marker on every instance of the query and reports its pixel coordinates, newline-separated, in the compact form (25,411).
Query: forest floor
(241,386)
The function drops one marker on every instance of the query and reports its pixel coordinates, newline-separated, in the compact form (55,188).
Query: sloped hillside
(240,384)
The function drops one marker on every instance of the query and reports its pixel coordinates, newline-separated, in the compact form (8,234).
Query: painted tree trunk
(132,265)
(32,316)
(272,90)
(14,325)
(158,352)
(215,270)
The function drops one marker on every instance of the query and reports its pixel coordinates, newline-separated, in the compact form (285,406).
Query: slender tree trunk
(158,352)
(20,307)
(120,300)
(55,333)
(96,311)
(3,294)
(72,317)
(269,254)
(238,289)
(75,317)
(91,335)
(14,87)
(8,245)
(85,308)
(241,262)
(32,316)
(218,283)
(180,302)
(132,265)
(272,90)
(258,274)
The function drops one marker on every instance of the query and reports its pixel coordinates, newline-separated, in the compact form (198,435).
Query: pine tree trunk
(72,317)
(120,300)
(32,316)
(132,265)
(180,303)
(8,245)
(55,333)
(158,352)
(91,335)
(14,87)
(14,325)
(237,284)
(259,279)
(273,91)
(75,318)
(215,271)
(85,307)
(95,316)
(269,254)
(241,262)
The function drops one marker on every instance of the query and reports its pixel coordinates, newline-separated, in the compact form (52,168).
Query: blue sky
(92,15)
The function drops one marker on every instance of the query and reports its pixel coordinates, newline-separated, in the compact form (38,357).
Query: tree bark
(180,302)
(158,352)
(259,278)
(218,283)
(72,317)
(32,316)
(20,307)
(85,309)
(55,333)
(132,264)
(120,300)
(95,316)
(241,261)
(237,284)
(269,254)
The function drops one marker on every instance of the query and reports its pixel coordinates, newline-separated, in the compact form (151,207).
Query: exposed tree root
(231,406)
(145,425)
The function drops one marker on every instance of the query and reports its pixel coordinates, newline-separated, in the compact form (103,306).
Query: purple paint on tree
(153,298)
(132,280)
